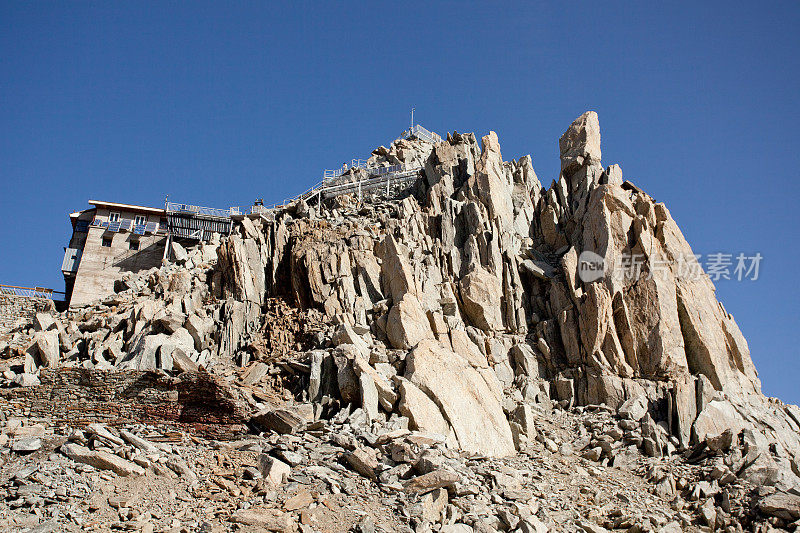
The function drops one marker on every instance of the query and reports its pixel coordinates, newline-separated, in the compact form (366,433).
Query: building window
(133,245)
(106,242)
(113,217)
(140,220)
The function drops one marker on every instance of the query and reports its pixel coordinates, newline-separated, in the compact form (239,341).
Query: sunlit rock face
(479,257)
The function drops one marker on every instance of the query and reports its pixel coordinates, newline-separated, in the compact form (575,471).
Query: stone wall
(194,401)
(17,310)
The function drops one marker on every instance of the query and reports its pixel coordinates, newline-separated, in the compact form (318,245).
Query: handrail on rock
(377,175)
(28,292)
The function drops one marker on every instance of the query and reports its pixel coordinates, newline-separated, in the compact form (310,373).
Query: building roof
(128,207)
(76,214)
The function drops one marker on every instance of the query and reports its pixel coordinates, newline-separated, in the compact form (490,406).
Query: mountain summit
(452,333)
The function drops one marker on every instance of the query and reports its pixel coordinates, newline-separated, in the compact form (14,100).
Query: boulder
(100,459)
(369,396)
(466,348)
(432,480)
(200,328)
(717,417)
(395,271)
(634,408)
(480,297)
(431,506)
(525,361)
(345,334)
(273,471)
(684,395)
(464,398)
(145,353)
(26,445)
(181,340)
(243,274)
(280,420)
(44,322)
(384,392)
(423,414)
(346,378)
(363,461)
(720,442)
(264,519)
(180,282)
(182,362)
(407,323)
(322,379)
(27,380)
(782,505)
(169,322)
(179,253)
(138,442)
(524,417)
(45,349)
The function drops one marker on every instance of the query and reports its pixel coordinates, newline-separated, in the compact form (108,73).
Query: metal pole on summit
(412,119)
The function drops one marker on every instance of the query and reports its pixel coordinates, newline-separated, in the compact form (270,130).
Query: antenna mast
(412,117)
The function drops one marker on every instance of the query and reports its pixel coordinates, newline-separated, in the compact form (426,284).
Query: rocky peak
(460,314)
(580,144)
(481,259)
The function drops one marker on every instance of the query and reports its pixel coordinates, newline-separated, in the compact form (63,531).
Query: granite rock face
(448,347)
(478,256)
(582,293)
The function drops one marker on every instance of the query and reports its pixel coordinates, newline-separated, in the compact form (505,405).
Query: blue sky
(698,102)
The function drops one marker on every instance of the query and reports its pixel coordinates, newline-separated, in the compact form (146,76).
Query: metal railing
(187,233)
(415,131)
(265,209)
(336,172)
(253,209)
(28,292)
(377,176)
(382,181)
(372,171)
(172,207)
(421,133)
(256,209)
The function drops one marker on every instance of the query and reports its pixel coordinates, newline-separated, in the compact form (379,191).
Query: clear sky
(214,104)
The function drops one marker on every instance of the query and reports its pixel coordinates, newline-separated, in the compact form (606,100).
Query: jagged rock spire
(580,144)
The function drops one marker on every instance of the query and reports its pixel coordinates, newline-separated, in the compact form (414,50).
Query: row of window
(138,220)
(133,244)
